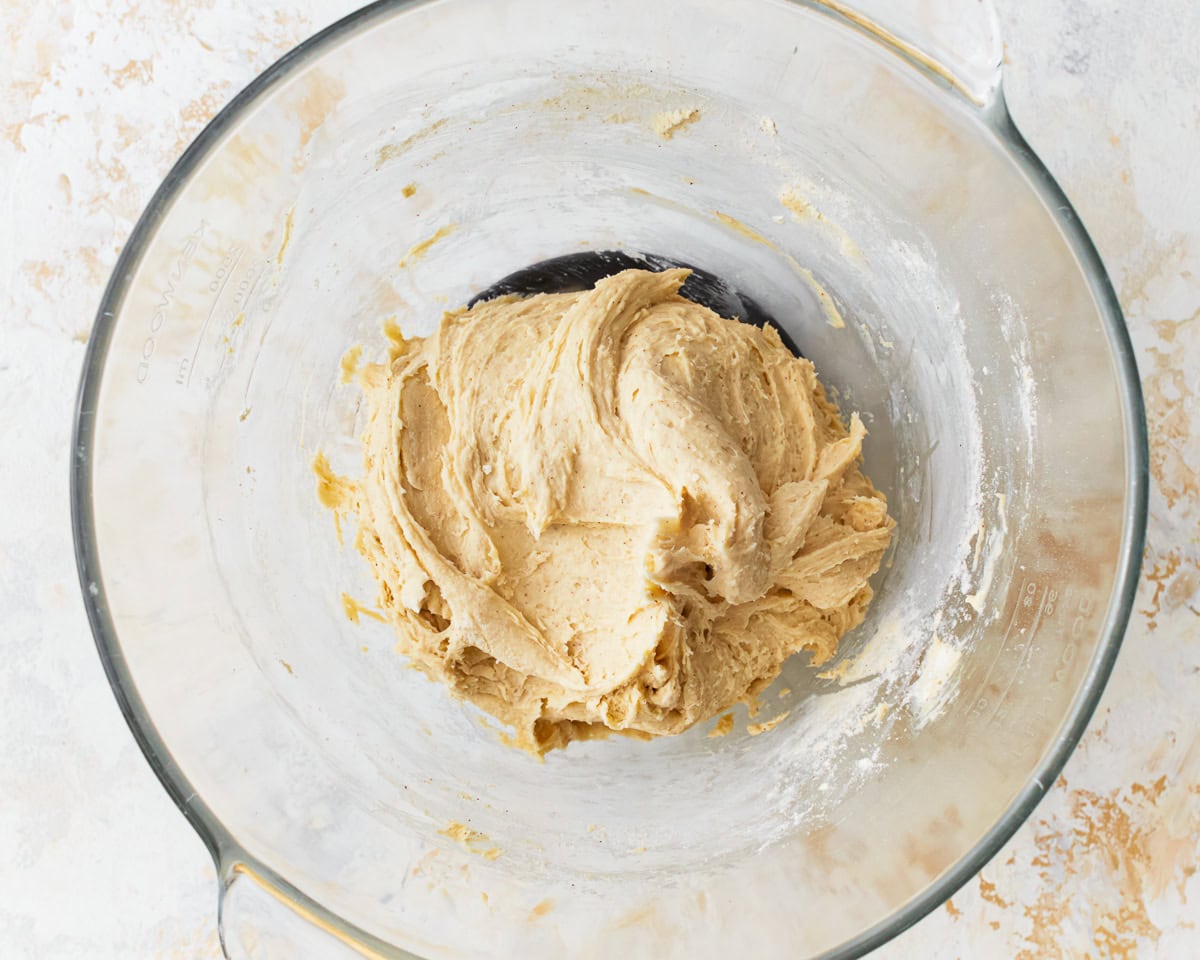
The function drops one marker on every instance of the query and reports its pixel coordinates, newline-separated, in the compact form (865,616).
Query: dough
(611,510)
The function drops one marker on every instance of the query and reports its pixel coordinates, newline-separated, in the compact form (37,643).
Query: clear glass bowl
(868,189)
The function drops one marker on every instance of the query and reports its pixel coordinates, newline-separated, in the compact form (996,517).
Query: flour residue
(996,544)
(933,689)
(889,648)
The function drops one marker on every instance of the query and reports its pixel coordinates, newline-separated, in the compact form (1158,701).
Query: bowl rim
(231,858)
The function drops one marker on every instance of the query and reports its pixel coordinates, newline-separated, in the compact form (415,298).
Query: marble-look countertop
(98,99)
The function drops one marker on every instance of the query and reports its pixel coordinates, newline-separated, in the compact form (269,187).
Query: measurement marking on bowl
(217,286)
(1043,601)
(1074,632)
(1029,592)
(244,292)
(264,306)
(166,297)
(243,299)
(992,666)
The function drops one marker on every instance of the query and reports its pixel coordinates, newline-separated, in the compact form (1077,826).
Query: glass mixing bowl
(867,188)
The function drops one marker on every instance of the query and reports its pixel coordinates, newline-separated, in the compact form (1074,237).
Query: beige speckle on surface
(800,208)
(287,234)
(745,230)
(722,726)
(335,492)
(472,841)
(418,250)
(670,122)
(392,151)
(755,729)
(317,98)
(355,611)
(349,363)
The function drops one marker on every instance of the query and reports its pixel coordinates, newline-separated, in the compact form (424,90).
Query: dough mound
(611,510)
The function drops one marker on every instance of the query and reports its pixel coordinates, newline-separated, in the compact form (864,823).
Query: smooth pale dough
(611,510)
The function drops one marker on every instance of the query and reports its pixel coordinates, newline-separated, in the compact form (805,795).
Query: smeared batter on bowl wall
(611,510)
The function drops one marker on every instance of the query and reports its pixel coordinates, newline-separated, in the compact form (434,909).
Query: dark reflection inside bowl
(580,271)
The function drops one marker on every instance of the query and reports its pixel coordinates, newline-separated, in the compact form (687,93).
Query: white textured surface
(96,102)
